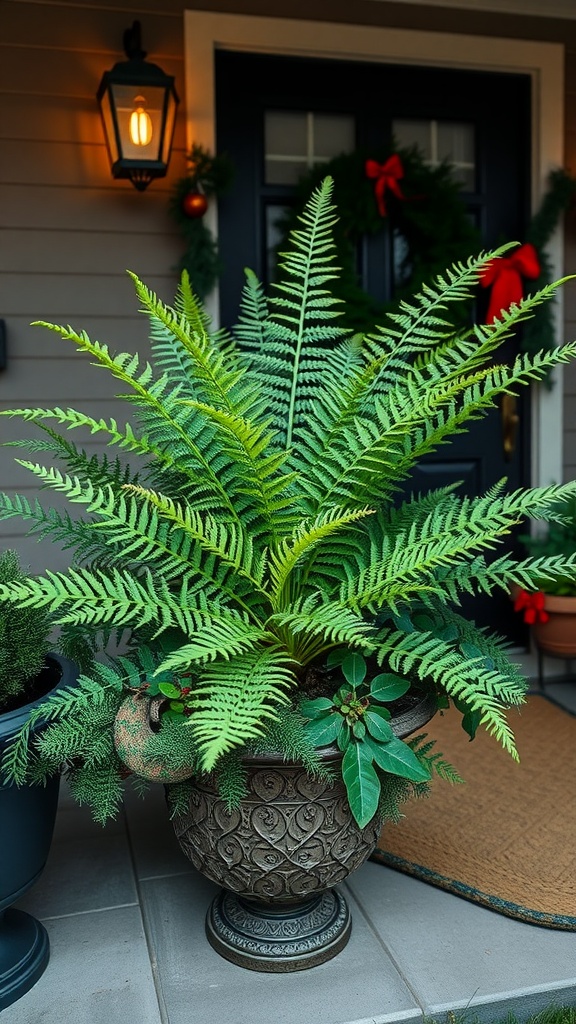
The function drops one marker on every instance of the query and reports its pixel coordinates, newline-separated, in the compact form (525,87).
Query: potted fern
(28,676)
(283,603)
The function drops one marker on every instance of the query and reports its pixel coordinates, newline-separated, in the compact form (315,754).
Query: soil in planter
(319,682)
(34,688)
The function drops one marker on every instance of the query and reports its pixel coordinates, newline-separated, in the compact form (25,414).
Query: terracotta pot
(278,856)
(557,636)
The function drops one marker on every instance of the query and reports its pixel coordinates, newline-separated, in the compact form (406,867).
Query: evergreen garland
(430,222)
(538,334)
(209,176)
(23,639)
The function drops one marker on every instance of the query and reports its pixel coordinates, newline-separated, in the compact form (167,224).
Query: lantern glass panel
(109,126)
(171,106)
(127,99)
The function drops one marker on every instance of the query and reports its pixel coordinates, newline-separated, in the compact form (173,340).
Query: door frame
(206,31)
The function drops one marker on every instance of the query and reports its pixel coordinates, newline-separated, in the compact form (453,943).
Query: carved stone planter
(278,857)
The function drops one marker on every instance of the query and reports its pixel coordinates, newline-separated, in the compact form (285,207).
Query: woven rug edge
(514,910)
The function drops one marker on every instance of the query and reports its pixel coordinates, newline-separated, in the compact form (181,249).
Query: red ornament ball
(195,204)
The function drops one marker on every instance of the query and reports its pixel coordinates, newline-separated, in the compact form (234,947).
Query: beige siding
(68,232)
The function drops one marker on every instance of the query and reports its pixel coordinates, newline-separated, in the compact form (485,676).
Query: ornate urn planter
(278,857)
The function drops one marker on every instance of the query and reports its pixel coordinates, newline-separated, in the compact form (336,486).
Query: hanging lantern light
(138,105)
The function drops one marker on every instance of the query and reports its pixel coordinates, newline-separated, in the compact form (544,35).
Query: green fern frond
(290,552)
(258,464)
(251,328)
(95,599)
(481,685)
(100,787)
(85,698)
(434,762)
(224,636)
(310,629)
(300,313)
(211,379)
(235,697)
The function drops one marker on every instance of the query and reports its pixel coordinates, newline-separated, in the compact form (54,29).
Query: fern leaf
(235,697)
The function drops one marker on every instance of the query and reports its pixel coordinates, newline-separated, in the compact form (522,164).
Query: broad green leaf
(354,669)
(323,731)
(448,633)
(362,783)
(381,711)
(335,658)
(388,686)
(174,716)
(397,758)
(470,722)
(403,622)
(359,730)
(470,650)
(470,719)
(377,726)
(344,736)
(169,690)
(316,708)
(177,706)
(425,623)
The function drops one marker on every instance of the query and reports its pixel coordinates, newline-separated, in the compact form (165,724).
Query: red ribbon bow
(387,176)
(505,275)
(532,605)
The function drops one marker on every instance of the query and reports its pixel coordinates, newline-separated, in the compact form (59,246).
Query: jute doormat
(507,838)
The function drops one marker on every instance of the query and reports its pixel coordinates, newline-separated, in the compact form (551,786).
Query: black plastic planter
(27,815)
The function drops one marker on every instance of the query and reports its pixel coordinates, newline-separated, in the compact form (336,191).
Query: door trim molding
(205,32)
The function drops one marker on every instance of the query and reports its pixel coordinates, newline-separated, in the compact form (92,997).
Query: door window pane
(274,235)
(439,141)
(296,140)
(332,135)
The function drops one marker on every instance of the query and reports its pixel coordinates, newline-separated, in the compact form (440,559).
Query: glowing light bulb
(140,124)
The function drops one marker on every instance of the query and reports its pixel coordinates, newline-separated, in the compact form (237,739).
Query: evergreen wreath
(207,176)
(422,205)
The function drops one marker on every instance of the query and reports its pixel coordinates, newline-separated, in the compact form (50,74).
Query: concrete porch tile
(99,973)
(453,953)
(155,848)
(89,867)
(361,982)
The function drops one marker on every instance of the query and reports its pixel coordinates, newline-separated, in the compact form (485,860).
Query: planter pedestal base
(24,954)
(277,938)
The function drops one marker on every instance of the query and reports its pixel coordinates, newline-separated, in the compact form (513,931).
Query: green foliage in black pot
(23,640)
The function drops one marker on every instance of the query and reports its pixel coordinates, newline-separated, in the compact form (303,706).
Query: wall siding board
(70,231)
(31,24)
(30,162)
(79,252)
(53,72)
(120,333)
(57,378)
(48,296)
(107,207)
